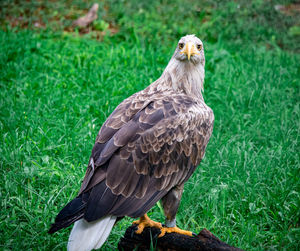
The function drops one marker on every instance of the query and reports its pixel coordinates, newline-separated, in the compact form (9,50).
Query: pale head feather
(185,75)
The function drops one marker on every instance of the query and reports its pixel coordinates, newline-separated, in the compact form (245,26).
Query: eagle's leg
(145,221)
(170,203)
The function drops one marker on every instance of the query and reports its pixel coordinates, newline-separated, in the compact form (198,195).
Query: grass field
(57,86)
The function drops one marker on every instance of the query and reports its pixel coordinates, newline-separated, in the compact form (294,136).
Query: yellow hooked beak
(189,50)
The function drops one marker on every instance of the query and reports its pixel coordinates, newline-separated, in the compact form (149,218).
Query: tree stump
(148,240)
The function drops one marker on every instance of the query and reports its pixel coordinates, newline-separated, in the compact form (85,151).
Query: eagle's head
(185,70)
(190,49)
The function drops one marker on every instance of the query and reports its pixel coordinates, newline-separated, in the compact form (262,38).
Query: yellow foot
(145,221)
(165,230)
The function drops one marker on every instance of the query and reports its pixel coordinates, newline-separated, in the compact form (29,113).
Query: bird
(145,151)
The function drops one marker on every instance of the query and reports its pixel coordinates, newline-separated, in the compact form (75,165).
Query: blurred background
(60,79)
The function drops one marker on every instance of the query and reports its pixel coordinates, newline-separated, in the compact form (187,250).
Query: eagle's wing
(145,148)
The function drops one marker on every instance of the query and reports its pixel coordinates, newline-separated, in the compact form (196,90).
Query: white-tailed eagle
(145,151)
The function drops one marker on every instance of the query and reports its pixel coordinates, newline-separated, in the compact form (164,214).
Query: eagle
(144,152)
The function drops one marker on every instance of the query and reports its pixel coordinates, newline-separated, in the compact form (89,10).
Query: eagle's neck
(184,76)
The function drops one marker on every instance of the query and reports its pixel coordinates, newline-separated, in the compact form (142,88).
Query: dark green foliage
(57,88)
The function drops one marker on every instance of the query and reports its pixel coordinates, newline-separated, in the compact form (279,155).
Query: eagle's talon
(145,221)
(156,236)
(162,233)
(177,230)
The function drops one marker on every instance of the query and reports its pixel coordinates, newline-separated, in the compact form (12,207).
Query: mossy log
(148,240)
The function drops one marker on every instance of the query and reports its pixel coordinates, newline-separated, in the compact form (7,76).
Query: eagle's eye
(199,47)
(181,45)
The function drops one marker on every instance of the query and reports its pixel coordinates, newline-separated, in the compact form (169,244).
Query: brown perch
(204,241)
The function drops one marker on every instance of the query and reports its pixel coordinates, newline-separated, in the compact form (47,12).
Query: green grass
(57,87)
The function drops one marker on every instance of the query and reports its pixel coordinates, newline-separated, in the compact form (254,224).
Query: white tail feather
(106,233)
(86,236)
